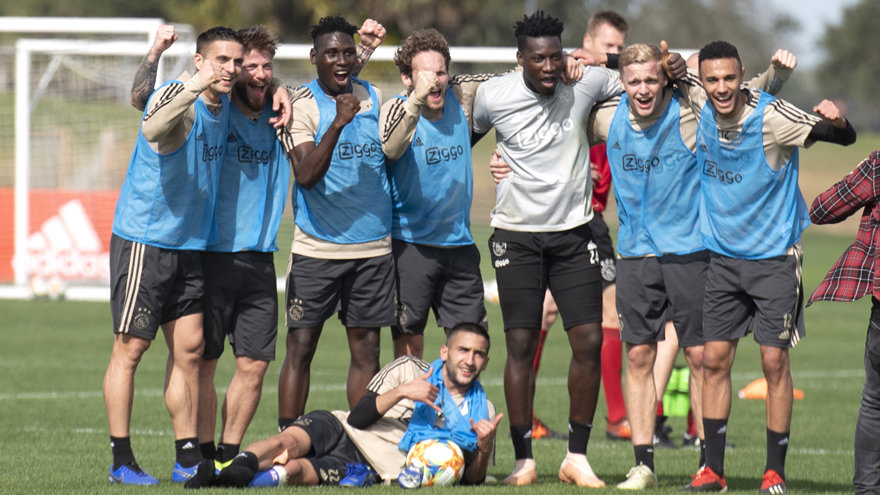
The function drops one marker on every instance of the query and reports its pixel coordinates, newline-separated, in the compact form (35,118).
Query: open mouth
(341,76)
(257,92)
(645,102)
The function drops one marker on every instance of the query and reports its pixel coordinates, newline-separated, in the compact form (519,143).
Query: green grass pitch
(54,436)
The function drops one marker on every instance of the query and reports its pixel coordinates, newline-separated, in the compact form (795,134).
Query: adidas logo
(67,246)
(200,137)
(231,138)
(417,142)
(616,146)
(187,446)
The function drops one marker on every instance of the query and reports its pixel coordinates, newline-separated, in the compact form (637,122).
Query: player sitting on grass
(327,448)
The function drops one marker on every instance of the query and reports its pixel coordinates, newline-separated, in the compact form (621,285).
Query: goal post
(74,130)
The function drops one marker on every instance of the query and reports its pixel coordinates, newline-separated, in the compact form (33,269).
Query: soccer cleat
(618,431)
(275,476)
(181,474)
(203,477)
(772,483)
(131,474)
(578,475)
(640,477)
(541,430)
(410,477)
(357,475)
(706,481)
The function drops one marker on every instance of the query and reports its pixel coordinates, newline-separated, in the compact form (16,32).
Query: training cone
(758,390)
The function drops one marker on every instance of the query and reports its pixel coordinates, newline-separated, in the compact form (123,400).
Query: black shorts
(761,296)
(653,290)
(602,238)
(362,290)
(527,263)
(241,301)
(446,280)
(151,286)
(331,449)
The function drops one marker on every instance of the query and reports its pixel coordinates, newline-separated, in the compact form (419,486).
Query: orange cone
(758,390)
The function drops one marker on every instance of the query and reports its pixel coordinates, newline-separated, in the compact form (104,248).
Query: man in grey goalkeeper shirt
(541,238)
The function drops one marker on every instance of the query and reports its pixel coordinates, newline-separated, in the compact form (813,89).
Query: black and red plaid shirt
(857,272)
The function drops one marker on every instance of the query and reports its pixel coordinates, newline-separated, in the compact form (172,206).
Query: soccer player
(341,252)
(163,219)
(426,136)
(851,278)
(403,401)
(751,218)
(541,239)
(241,298)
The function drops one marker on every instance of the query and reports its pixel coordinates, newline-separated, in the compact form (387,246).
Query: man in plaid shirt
(855,274)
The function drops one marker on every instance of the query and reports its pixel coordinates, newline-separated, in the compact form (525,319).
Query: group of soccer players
(704,173)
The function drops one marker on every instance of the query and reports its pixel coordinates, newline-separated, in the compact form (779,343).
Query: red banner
(68,235)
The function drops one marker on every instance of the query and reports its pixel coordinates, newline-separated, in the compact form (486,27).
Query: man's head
(256,71)
(425,51)
(721,73)
(606,33)
(219,48)
(334,54)
(642,78)
(539,43)
(466,354)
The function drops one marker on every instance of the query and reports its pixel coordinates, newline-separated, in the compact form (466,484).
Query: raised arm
(834,128)
(399,118)
(782,64)
(145,77)
(372,35)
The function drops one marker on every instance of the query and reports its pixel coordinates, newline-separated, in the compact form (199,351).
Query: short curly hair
(537,25)
(332,24)
(421,41)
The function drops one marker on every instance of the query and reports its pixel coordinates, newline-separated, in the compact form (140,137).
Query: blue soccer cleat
(357,475)
(183,474)
(131,474)
(410,477)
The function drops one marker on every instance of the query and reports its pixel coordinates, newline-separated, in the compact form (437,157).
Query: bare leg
(641,396)
(775,363)
(207,401)
(185,342)
(363,344)
(519,374)
(717,362)
(119,381)
(293,384)
(584,373)
(694,357)
(409,345)
(242,398)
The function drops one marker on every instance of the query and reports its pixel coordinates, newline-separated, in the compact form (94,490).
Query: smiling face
(432,62)
(254,80)
(721,78)
(466,355)
(335,57)
(225,57)
(644,83)
(541,60)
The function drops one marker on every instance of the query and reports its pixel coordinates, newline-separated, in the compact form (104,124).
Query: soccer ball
(441,462)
